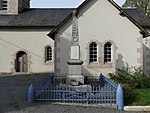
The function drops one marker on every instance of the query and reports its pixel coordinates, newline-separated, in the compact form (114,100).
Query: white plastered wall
(99,20)
(31,41)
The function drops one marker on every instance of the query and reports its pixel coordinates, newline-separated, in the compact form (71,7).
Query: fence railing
(93,94)
(44,83)
(102,91)
(108,81)
(81,94)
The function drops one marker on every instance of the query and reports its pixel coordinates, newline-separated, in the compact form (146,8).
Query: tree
(143,5)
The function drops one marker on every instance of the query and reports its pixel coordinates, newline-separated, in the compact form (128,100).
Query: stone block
(83,88)
(147,108)
(73,79)
(74,70)
(133,108)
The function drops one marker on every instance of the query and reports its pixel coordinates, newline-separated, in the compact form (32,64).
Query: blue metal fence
(101,93)
(44,83)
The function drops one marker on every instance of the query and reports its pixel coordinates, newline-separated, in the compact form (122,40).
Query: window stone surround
(87,61)
(111,64)
(101,63)
(50,62)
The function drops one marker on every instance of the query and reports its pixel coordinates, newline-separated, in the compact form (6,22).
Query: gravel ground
(13,91)
(66,109)
(13,98)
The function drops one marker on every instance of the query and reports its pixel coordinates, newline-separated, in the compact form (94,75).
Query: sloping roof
(143,31)
(36,17)
(138,16)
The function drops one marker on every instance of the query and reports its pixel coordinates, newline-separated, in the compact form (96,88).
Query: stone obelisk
(74,76)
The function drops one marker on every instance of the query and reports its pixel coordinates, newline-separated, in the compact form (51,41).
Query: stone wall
(146,55)
(23,4)
(15,6)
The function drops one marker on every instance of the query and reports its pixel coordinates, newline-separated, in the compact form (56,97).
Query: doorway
(21,62)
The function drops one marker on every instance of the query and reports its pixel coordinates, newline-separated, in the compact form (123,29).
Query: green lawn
(142,97)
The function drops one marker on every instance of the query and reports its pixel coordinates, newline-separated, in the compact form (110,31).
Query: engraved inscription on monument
(75,52)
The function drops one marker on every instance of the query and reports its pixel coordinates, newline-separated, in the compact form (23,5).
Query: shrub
(130,78)
(129,94)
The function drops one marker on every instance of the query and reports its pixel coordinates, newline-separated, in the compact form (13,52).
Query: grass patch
(142,97)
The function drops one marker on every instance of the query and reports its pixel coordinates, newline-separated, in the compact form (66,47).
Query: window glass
(93,52)
(4,4)
(48,53)
(107,52)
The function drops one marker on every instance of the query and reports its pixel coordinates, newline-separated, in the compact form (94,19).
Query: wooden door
(21,62)
(24,63)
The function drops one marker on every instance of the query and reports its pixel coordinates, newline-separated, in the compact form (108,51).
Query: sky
(61,3)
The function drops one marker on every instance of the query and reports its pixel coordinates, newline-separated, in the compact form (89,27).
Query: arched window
(48,53)
(93,53)
(107,52)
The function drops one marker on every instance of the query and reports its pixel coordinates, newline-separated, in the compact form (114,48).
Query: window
(93,54)
(3,4)
(107,52)
(48,53)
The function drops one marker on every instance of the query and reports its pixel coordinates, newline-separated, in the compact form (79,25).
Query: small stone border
(111,106)
(137,108)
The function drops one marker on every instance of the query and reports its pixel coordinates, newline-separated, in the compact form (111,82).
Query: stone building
(24,44)
(109,37)
(103,26)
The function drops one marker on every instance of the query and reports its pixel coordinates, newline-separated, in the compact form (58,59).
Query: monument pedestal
(74,76)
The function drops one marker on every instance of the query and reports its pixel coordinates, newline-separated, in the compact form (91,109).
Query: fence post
(63,94)
(87,95)
(31,94)
(101,80)
(51,79)
(119,98)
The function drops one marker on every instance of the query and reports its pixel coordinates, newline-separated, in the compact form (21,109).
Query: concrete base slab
(111,106)
(137,108)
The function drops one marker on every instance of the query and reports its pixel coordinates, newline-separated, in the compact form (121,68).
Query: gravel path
(66,109)
(13,91)
(13,98)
